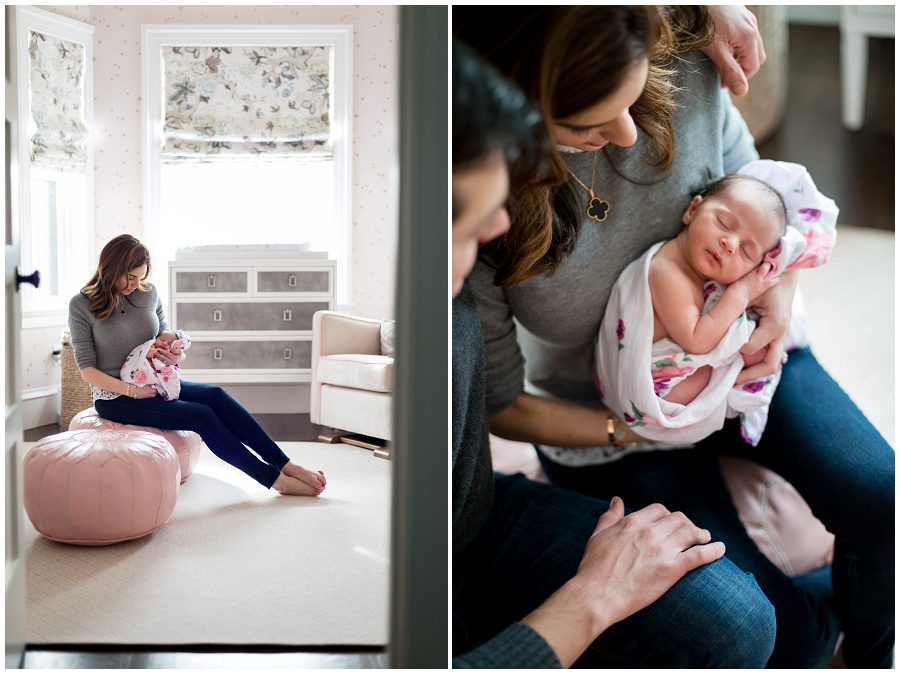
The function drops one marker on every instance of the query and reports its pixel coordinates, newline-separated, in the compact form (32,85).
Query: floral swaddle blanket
(165,378)
(633,374)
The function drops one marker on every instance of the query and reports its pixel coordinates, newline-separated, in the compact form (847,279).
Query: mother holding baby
(634,138)
(117,311)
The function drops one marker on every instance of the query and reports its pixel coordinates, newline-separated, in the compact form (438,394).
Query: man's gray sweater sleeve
(516,647)
(82,334)
(505,363)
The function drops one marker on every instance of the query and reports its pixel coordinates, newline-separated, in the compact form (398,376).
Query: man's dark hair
(489,114)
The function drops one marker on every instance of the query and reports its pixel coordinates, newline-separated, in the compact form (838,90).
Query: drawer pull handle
(292,280)
(217,353)
(287,315)
(217,315)
(287,354)
(211,281)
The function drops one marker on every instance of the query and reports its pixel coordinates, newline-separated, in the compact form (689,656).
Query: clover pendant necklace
(597,209)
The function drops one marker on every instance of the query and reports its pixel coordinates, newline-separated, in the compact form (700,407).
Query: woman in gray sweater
(118,310)
(542,576)
(621,179)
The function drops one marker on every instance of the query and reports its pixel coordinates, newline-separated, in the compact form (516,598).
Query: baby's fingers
(762,276)
(771,282)
(763,270)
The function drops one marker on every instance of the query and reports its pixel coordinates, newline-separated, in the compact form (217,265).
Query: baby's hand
(756,281)
(151,352)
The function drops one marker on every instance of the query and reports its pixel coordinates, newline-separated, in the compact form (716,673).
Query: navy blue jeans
(225,426)
(819,441)
(532,543)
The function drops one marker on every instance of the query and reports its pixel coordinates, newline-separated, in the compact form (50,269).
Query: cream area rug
(235,564)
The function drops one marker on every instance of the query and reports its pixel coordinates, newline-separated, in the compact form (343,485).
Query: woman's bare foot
(315,480)
(285,484)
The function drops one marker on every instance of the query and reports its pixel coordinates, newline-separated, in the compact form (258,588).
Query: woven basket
(763,108)
(76,393)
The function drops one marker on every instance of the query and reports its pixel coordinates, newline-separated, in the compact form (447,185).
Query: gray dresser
(249,314)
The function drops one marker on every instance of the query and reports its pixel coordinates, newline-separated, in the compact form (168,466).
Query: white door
(15,557)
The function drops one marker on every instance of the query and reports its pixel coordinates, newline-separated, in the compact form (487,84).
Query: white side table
(858,24)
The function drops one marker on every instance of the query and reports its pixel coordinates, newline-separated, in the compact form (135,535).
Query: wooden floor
(97,658)
(280,427)
(855,168)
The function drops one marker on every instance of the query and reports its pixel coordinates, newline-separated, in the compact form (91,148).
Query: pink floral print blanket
(633,374)
(142,371)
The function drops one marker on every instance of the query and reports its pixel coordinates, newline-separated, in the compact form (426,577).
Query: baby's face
(730,233)
(165,339)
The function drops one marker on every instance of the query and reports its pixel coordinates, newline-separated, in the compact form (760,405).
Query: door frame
(420,514)
(15,554)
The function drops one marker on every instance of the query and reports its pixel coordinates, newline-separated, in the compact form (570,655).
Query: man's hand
(737,49)
(774,309)
(631,561)
(628,563)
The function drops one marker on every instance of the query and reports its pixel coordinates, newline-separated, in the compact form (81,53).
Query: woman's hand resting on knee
(629,562)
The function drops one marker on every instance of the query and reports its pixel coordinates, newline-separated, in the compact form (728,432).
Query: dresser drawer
(243,355)
(218,316)
(292,281)
(211,282)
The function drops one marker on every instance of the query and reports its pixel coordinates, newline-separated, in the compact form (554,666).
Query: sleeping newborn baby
(729,228)
(143,368)
(670,344)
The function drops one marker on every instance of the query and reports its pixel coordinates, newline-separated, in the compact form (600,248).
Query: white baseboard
(40,407)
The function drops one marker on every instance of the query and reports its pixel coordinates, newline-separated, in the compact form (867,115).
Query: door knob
(34,279)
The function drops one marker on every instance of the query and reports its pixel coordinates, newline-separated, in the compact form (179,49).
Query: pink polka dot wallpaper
(118,199)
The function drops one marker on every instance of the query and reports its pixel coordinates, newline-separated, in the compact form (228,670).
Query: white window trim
(338,36)
(77,245)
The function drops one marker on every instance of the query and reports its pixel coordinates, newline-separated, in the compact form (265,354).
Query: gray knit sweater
(518,646)
(105,344)
(544,329)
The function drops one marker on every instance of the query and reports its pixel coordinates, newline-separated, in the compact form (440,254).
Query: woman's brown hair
(568,59)
(118,257)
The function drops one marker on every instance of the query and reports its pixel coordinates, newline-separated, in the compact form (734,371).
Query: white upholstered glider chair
(352,379)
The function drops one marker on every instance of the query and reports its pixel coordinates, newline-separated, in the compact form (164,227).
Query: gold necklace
(598,209)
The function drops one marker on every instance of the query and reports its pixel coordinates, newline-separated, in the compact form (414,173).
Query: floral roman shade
(240,102)
(56,87)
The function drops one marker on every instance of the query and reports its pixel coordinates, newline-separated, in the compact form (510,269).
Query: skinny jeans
(223,424)
(819,441)
(532,543)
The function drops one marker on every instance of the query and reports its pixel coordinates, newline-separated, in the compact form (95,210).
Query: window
(233,154)
(58,211)
(243,203)
(55,95)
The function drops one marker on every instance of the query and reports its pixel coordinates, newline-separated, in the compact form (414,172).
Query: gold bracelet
(615,433)
(128,390)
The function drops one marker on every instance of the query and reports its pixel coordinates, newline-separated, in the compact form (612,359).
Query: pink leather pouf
(186,443)
(100,487)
